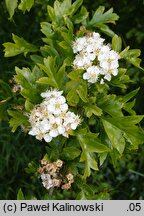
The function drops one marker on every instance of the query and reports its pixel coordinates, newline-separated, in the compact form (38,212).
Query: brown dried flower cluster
(52,176)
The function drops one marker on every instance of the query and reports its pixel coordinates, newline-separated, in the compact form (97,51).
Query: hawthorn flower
(52,175)
(46,181)
(95,58)
(51,118)
(92,74)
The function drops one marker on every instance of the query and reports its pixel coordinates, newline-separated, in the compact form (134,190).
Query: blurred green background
(126,181)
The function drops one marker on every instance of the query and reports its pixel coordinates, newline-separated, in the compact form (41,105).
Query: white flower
(48,119)
(51,94)
(92,74)
(57,105)
(95,58)
(79,44)
(109,73)
(46,181)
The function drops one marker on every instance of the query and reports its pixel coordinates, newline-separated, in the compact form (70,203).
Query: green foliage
(110,125)
(11,6)
(24,5)
(20,195)
(19,46)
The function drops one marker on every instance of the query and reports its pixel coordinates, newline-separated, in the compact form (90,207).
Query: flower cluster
(52,118)
(52,176)
(97,59)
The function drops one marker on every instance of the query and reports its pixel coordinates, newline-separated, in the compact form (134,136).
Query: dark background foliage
(125,181)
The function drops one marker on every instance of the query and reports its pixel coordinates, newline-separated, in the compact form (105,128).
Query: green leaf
(61,8)
(124,52)
(26,5)
(70,153)
(36,59)
(27,79)
(127,125)
(132,56)
(82,91)
(50,69)
(75,75)
(75,6)
(51,12)
(90,144)
(116,43)
(61,74)
(72,98)
(46,29)
(105,29)
(121,79)
(101,17)
(19,46)
(115,135)
(130,95)
(46,81)
(110,104)
(18,119)
(92,109)
(81,196)
(11,6)
(28,105)
(20,195)
(5,90)
(81,16)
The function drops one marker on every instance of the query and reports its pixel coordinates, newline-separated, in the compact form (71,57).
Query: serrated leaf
(11,5)
(26,5)
(50,68)
(20,195)
(115,135)
(46,29)
(132,56)
(130,131)
(27,79)
(61,74)
(51,12)
(61,8)
(116,43)
(111,105)
(124,52)
(90,145)
(75,6)
(106,29)
(19,46)
(81,16)
(101,17)
(75,75)
(17,119)
(46,81)
(70,153)
(72,98)
(93,109)
(130,95)
(82,91)
(28,105)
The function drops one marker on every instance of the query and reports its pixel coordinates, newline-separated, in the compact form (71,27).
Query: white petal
(47,138)
(107,77)
(61,129)
(54,133)
(86,76)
